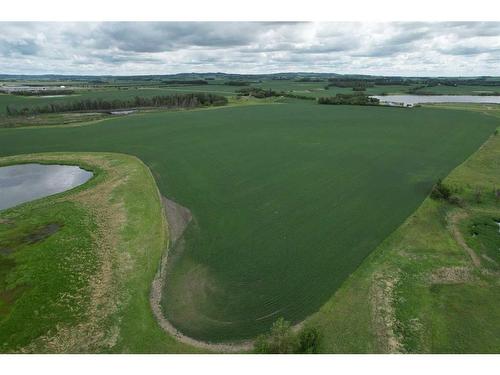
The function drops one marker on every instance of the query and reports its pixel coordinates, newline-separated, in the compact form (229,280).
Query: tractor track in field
(178,218)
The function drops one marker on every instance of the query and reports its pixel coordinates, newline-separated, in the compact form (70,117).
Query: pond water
(26,182)
(418,99)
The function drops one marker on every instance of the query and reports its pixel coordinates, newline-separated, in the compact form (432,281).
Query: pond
(420,99)
(26,182)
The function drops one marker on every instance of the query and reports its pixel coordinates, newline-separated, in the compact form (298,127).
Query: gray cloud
(166,36)
(416,48)
(18,47)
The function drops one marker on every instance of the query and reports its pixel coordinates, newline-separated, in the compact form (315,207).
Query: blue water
(26,182)
(417,99)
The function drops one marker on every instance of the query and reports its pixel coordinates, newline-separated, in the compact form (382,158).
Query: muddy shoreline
(178,218)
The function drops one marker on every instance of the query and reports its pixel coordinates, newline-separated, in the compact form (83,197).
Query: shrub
(440,191)
(456,200)
(309,339)
(282,340)
(478,195)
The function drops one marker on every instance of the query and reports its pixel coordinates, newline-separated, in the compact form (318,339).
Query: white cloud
(451,48)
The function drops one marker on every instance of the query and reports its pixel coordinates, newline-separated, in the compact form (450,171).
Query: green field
(287,199)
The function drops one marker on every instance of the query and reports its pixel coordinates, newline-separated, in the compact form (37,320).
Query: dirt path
(453,219)
(178,218)
(383,311)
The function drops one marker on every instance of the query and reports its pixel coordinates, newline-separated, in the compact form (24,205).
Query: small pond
(26,182)
(420,99)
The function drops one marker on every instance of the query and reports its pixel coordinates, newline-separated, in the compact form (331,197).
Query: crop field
(287,199)
(421,290)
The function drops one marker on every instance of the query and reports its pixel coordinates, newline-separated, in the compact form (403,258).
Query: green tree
(440,191)
(280,340)
(309,339)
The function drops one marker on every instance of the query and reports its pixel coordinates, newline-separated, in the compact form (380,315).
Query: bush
(440,191)
(309,339)
(282,340)
(456,200)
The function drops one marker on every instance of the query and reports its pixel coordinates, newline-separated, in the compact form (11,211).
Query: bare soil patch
(178,218)
(451,275)
(383,312)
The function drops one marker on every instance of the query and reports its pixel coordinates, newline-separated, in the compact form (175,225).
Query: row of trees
(185,82)
(168,101)
(350,83)
(351,99)
(260,93)
(257,92)
(237,83)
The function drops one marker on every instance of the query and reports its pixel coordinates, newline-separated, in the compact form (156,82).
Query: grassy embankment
(85,286)
(433,285)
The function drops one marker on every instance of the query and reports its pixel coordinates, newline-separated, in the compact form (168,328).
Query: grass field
(85,287)
(420,291)
(288,199)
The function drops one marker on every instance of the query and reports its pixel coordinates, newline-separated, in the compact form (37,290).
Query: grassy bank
(433,285)
(85,286)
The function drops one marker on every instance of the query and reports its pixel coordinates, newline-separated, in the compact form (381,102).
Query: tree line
(257,92)
(350,83)
(185,82)
(350,99)
(169,101)
(237,83)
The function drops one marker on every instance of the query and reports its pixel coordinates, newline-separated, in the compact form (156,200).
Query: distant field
(317,89)
(29,101)
(310,89)
(288,199)
(462,90)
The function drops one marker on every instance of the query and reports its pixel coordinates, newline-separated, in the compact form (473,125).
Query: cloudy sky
(466,48)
